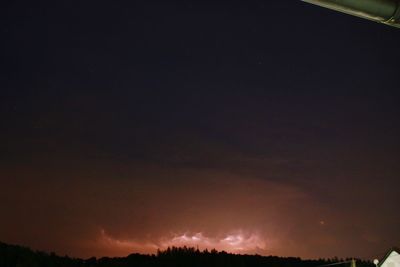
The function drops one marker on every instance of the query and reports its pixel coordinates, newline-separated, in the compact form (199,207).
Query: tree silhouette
(18,256)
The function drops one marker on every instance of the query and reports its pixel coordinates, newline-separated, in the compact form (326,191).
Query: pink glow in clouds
(234,242)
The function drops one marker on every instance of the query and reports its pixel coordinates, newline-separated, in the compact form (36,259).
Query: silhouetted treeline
(17,256)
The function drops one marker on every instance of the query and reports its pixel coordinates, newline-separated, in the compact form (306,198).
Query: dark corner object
(383,11)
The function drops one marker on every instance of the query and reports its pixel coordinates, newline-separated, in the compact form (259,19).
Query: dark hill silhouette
(18,256)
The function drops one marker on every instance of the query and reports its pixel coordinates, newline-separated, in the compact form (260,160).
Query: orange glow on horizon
(233,242)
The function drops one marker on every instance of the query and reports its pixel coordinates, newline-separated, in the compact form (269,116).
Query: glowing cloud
(235,242)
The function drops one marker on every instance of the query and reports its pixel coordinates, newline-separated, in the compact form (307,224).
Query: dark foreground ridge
(18,256)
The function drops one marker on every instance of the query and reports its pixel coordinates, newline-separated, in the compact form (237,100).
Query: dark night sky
(265,127)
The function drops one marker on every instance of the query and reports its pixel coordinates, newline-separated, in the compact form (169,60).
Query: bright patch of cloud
(234,242)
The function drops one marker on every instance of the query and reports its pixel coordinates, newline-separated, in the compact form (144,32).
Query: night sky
(267,127)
